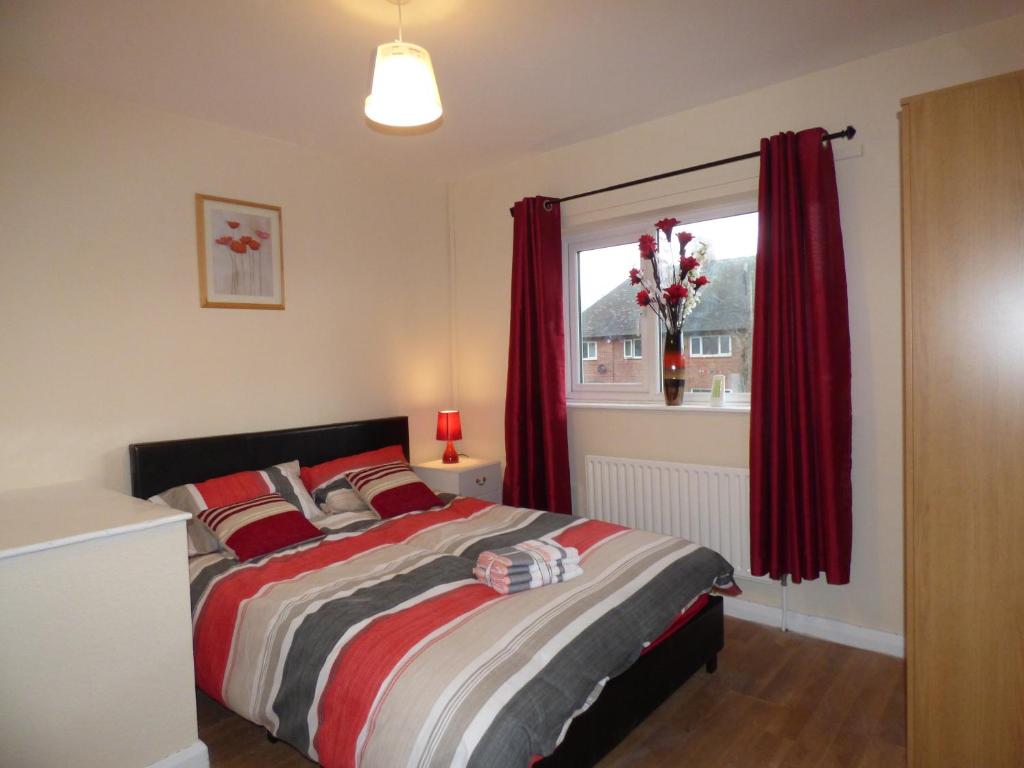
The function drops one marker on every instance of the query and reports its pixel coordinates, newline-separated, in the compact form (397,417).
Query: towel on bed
(527,565)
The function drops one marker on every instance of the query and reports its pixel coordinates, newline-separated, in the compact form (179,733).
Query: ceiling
(515,75)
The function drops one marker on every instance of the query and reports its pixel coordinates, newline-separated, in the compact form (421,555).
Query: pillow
(282,479)
(392,489)
(331,490)
(258,526)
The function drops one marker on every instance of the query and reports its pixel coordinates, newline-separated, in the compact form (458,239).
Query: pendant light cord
(399,20)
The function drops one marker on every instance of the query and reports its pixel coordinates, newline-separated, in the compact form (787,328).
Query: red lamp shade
(449,427)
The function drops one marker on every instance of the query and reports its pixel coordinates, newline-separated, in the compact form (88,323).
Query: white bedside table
(470,477)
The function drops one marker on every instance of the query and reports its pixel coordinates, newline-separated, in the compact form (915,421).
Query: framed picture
(241,262)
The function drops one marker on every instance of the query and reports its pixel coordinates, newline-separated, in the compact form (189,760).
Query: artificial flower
(702,280)
(233,224)
(675,293)
(648,246)
(238,246)
(643,298)
(686,263)
(262,235)
(666,226)
(226,240)
(634,276)
(254,244)
(246,239)
(684,240)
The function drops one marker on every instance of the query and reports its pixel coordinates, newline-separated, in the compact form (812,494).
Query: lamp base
(451,456)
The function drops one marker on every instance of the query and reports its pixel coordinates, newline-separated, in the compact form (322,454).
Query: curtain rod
(847,133)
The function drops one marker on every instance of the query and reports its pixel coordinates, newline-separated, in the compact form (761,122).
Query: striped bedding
(376,647)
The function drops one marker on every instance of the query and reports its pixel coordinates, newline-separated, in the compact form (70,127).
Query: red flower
(262,235)
(254,244)
(666,225)
(702,280)
(675,293)
(238,246)
(648,246)
(246,239)
(233,224)
(634,276)
(226,240)
(686,263)
(684,240)
(643,298)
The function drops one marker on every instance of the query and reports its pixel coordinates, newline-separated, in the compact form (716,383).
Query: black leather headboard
(158,466)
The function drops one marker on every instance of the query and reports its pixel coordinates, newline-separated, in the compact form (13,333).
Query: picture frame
(241,253)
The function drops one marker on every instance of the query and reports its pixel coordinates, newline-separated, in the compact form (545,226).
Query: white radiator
(706,505)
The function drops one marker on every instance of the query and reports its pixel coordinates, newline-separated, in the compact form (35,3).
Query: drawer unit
(469,477)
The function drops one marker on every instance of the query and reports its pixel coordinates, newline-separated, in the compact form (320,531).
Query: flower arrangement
(672,301)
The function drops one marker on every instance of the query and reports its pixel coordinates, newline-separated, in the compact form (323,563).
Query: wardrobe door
(963,230)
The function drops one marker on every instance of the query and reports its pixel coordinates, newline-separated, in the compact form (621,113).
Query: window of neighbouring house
(710,346)
(609,330)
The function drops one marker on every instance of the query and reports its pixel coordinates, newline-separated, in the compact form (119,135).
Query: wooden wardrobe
(963,275)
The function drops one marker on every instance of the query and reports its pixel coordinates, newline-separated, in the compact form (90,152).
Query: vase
(673,368)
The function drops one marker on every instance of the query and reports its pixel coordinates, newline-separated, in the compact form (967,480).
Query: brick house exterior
(611,323)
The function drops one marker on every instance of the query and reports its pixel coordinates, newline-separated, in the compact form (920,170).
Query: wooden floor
(777,700)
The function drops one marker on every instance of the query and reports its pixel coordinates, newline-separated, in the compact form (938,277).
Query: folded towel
(495,568)
(508,585)
(527,565)
(546,575)
(525,555)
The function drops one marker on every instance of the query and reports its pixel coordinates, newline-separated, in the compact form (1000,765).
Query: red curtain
(536,435)
(800,412)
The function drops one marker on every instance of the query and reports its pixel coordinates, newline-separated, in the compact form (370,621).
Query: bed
(434,668)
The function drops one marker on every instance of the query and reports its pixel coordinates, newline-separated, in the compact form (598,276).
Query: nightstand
(469,477)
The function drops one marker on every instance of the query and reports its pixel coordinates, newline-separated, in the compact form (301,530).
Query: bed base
(633,695)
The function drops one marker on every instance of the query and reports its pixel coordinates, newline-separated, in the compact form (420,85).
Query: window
(607,313)
(711,346)
(602,311)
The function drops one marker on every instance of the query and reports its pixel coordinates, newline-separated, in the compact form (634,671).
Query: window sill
(739,408)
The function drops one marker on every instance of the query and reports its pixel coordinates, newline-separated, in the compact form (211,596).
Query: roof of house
(725,306)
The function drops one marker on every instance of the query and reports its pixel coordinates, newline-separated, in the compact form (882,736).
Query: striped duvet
(376,647)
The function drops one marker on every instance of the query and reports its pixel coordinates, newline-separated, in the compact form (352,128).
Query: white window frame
(588,344)
(630,344)
(618,232)
(718,336)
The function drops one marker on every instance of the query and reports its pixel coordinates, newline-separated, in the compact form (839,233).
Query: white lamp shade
(404,91)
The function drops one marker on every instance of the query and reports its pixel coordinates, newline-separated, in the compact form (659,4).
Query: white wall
(865,93)
(103,341)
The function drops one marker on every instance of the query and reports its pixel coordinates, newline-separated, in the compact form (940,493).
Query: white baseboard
(816,626)
(194,756)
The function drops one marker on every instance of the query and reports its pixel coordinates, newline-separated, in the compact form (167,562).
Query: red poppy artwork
(240,254)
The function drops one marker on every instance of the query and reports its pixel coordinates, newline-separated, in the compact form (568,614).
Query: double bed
(375,646)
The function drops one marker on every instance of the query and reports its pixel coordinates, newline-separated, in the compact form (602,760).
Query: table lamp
(449,427)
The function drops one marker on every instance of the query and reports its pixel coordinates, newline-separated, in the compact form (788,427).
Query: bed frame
(626,700)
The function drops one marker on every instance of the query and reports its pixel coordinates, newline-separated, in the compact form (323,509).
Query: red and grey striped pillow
(258,526)
(331,490)
(282,479)
(392,489)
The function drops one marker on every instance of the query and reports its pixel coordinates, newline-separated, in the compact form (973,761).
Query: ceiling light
(404,92)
